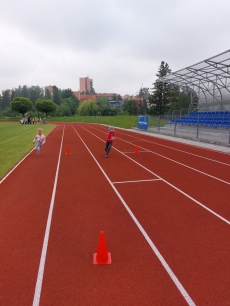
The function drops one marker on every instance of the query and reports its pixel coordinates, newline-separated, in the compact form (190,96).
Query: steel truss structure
(209,81)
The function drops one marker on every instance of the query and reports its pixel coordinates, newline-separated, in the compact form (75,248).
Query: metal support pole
(175,128)
(229,137)
(198,124)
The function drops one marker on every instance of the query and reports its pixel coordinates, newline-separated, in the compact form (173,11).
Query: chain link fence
(166,125)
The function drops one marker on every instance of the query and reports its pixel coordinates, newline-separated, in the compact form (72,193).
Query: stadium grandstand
(209,80)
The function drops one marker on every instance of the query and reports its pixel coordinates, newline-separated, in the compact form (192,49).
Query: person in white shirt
(40,139)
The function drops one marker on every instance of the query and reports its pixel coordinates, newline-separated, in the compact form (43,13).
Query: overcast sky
(118,43)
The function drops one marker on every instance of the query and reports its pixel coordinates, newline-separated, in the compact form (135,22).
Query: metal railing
(166,125)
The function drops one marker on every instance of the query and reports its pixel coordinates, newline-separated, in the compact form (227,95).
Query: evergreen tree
(92,91)
(25,92)
(35,93)
(56,95)
(47,95)
(67,93)
(162,93)
(6,98)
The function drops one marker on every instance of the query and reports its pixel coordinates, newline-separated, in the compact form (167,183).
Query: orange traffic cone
(67,150)
(136,149)
(102,257)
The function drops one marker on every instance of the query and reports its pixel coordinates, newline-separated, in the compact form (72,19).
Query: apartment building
(50,88)
(86,84)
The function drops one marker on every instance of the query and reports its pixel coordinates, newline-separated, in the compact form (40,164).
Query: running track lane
(85,204)
(188,179)
(192,239)
(25,197)
(94,249)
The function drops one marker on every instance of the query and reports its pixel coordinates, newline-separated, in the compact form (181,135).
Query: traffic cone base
(105,262)
(136,149)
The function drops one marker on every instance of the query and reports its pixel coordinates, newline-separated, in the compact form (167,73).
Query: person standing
(109,140)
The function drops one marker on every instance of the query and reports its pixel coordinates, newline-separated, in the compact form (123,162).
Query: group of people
(40,140)
(29,120)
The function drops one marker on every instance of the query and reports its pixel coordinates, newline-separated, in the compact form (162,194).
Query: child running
(109,140)
(40,138)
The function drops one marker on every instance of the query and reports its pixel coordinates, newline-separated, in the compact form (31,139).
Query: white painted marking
(179,190)
(152,245)
(189,153)
(186,166)
(3,179)
(139,181)
(146,151)
(173,141)
(38,287)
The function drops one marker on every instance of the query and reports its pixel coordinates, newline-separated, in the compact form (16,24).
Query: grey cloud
(120,44)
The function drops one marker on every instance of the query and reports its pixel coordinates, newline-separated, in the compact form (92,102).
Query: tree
(72,104)
(87,108)
(35,93)
(47,94)
(5,99)
(64,110)
(102,101)
(25,92)
(162,93)
(67,93)
(92,91)
(21,105)
(131,107)
(108,111)
(45,106)
(56,95)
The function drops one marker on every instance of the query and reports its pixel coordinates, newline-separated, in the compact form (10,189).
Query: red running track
(165,213)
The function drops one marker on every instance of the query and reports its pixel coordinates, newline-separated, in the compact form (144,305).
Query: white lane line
(38,287)
(152,245)
(189,153)
(186,144)
(3,179)
(181,164)
(179,190)
(138,181)
(146,151)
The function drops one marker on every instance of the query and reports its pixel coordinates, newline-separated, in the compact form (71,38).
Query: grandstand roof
(215,70)
(210,79)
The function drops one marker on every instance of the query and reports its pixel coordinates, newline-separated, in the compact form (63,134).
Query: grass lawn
(126,122)
(16,141)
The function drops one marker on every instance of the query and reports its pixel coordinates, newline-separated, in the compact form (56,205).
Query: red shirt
(110,136)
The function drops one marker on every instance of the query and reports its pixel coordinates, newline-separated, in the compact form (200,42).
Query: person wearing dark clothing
(109,140)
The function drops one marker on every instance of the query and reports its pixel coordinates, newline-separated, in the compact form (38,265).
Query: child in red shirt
(109,140)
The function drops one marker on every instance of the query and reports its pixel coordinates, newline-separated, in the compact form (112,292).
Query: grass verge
(16,141)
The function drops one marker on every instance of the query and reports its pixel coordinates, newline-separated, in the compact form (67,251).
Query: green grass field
(16,141)
(126,122)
